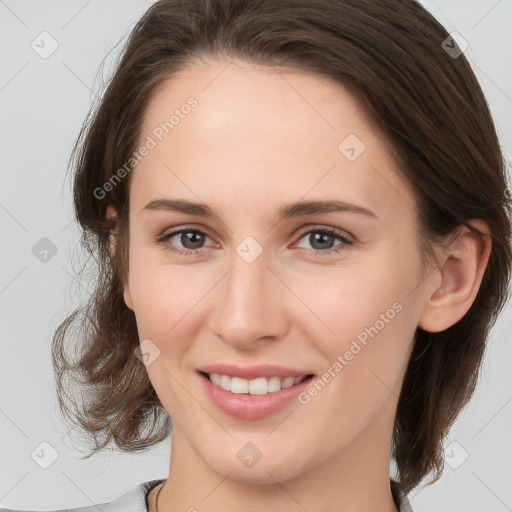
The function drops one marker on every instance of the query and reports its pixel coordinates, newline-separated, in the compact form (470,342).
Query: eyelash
(324,231)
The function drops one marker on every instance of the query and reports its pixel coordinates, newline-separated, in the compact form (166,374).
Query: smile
(257,386)
(252,399)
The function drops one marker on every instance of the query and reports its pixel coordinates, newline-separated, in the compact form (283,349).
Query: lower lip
(251,407)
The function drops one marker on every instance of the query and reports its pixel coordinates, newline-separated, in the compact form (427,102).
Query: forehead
(224,129)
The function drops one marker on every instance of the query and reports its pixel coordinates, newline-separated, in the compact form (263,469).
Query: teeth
(258,386)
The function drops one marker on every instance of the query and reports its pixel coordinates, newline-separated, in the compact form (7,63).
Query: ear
(460,275)
(112,217)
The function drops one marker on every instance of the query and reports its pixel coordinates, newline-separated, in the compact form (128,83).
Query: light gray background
(43,103)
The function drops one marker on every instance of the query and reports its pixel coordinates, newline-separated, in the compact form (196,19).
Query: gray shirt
(136,500)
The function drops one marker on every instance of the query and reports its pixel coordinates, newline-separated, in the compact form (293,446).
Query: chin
(267,465)
(259,474)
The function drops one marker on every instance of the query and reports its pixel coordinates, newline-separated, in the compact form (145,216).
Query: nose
(249,305)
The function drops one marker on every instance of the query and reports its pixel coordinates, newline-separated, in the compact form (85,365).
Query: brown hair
(431,110)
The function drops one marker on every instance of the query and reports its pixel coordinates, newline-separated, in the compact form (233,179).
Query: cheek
(371,319)
(166,305)
(365,363)
(350,300)
(165,299)
(371,338)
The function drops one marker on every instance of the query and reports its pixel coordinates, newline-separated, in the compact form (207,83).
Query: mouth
(255,386)
(253,399)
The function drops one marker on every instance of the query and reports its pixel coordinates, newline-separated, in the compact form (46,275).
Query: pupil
(193,239)
(320,237)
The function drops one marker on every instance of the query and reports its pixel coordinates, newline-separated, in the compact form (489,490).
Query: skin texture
(257,139)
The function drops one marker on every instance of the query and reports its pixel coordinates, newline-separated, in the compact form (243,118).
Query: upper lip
(252,372)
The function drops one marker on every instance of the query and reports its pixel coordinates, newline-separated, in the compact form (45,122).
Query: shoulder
(401,500)
(134,500)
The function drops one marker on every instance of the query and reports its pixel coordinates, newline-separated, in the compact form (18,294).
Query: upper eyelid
(177,230)
(319,227)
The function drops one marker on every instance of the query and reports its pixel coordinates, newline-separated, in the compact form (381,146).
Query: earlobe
(127,297)
(112,217)
(461,276)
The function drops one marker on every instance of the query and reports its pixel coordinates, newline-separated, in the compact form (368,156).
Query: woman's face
(259,282)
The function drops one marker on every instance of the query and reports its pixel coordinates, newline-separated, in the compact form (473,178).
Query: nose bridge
(248,304)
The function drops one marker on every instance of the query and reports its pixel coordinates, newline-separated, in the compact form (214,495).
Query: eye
(321,240)
(191,240)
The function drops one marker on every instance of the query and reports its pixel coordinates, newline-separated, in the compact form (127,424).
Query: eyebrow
(286,211)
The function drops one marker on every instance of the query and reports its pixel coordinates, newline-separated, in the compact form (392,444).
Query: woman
(302,225)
